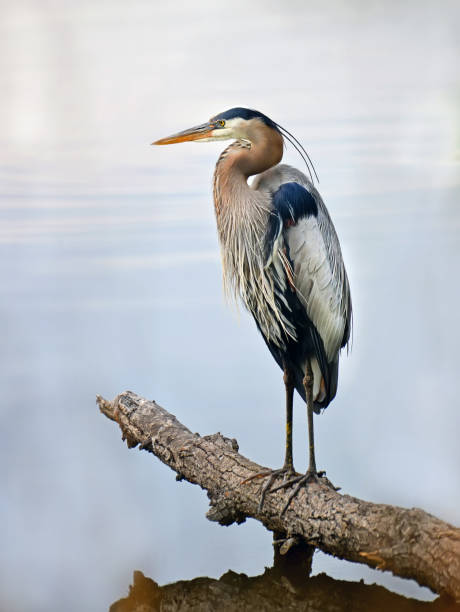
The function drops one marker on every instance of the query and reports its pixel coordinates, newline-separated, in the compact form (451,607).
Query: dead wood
(270,592)
(408,542)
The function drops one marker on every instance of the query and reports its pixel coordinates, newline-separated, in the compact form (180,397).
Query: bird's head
(236,123)
(239,124)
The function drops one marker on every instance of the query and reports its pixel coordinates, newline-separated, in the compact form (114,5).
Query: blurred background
(110,274)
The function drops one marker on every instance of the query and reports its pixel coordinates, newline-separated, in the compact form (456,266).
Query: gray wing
(320,282)
(318,272)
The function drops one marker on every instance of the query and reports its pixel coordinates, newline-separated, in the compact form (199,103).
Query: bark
(408,542)
(270,592)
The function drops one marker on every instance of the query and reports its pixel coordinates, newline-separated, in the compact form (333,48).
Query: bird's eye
(221,123)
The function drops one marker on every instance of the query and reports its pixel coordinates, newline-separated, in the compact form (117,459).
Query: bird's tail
(326,383)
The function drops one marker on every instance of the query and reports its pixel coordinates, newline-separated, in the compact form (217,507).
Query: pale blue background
(110,274)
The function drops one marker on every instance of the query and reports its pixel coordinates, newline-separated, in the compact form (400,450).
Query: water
(110,274)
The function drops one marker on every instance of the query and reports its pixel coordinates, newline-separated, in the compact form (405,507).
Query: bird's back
(306,263)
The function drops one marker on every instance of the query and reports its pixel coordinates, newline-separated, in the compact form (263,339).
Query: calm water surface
(110,274)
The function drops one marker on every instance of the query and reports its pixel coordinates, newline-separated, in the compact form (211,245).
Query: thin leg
(289,384)
(311,475)
(308,384)
(287,471)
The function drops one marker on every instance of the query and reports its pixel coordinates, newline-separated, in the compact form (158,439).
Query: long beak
(195,133)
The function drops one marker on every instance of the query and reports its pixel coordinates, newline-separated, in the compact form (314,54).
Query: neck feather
(242,159)
(242,216)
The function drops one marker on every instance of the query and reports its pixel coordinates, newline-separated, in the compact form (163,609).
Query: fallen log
(408,542)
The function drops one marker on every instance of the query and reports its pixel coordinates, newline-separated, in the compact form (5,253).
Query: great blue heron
(281,257)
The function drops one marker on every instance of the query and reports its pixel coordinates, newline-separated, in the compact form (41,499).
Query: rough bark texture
(408,542)
(270,592)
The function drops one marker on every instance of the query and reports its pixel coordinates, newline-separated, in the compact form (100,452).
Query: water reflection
(269,592)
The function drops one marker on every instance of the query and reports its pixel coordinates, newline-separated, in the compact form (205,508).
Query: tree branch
(408,542)
(269,592)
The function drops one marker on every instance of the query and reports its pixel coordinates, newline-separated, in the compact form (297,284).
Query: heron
(281,257)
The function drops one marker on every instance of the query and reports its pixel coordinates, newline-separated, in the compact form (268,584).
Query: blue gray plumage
(281,257)
(317,290)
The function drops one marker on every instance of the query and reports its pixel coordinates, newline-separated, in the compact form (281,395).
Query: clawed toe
(301,481)
(272,475)
(290,479)
(285,472)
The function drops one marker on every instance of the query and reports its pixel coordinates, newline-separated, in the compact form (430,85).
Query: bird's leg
(311,475)
(288,468)
(308,384)
(289,384)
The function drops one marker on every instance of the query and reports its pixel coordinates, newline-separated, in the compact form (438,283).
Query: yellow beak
(195,133)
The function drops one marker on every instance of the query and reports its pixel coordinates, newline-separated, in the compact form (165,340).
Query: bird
(282,259)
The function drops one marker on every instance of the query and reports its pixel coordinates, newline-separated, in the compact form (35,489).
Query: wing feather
(317,285)
(303,227)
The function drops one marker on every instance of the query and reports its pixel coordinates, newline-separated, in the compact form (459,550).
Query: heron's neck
(242,217)
(237,163)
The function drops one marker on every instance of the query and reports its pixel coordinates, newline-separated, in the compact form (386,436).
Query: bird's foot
(288,474)
(302,481)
